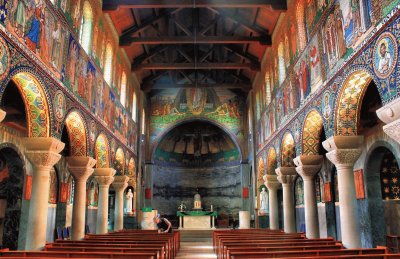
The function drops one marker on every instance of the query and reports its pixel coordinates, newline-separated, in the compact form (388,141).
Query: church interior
(249,128)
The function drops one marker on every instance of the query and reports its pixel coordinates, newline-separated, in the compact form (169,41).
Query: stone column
(104,177)
(43,153)
(80,168)
(286,176)
(343,152)
(120,183)
(2,115)
(245,172)
(390,115)
(307,167)
(273,185)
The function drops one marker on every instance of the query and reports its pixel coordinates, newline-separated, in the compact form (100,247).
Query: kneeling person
(163,225)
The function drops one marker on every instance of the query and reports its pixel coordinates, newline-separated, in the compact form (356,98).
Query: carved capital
(120,182)
(43,152)
(81,167)
(272,182)
(393,130)
(390,112)
(308,165)
(104,176)
(344,157)
(2,115)
(343,142)
(286,175)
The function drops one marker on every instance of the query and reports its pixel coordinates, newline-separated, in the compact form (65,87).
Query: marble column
(2,115)
(286,176)
(43,153)
(104,177)
(120,183)
(343,152)
(307,166)
(273,185)
(390,115)
(81,168)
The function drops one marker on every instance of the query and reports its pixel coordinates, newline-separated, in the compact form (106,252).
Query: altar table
(197,219)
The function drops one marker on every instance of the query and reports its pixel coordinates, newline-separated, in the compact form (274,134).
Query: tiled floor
(196,245)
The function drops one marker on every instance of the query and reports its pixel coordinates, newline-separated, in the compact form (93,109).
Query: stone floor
(196,244)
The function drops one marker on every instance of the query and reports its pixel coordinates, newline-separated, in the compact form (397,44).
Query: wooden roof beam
(200,66)
(161,86)
(263,40)
(112,5)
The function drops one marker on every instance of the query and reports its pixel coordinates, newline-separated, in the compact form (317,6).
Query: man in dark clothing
(163,225)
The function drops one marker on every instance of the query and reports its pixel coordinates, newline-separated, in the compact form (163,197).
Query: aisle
(196,244)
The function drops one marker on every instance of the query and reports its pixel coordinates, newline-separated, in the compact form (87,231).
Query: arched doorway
(11,190)
(383,189)
(196,156)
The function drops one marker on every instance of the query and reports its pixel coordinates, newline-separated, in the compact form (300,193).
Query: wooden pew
(68,254)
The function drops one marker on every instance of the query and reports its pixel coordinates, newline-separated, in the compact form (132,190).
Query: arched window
(85,33)
(143,121)
(134,107)
(108,60)
(301,24)
(267,88)
(281,63)
(123,89)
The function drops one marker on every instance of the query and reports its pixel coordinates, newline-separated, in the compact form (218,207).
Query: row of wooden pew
(141,244)
(261,243)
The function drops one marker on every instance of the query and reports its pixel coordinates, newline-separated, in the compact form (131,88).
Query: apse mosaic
(77,134)
(35,103)
(102,152)
(219,105)
(312,130)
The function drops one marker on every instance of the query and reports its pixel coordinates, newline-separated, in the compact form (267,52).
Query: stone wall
(220,186)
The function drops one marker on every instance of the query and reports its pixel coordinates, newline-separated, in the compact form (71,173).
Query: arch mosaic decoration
(36,106)
(260,180)
(349,103)
(271,161)
(288,150)
(119,162)
(76,134)
(102,152)
(312,129)
(132,171)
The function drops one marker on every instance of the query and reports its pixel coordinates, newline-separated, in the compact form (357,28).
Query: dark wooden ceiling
(195,43)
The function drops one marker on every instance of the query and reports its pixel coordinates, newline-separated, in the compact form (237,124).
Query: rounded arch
(77,133)
(271,161)
(36,103)
(288,150)
(158,139)
(132,171)
(349,102)
(102,151)
(312,129)
(119,162)
(261,172)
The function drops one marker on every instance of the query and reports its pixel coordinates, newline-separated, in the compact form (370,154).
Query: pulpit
(197,219)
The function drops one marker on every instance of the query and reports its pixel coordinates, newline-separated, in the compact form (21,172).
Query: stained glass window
(301,24)
(123,89)
(299,191)
(267,88)
(134,107)
(281,62)
(108,63)
(390,176)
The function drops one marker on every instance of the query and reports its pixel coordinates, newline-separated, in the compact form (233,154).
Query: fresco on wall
(219,105)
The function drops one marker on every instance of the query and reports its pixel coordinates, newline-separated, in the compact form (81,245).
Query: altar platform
(197,220)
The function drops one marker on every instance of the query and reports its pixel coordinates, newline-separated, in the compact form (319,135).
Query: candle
(211,207)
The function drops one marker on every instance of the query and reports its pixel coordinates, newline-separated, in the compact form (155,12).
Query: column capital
(271,181)
(308,165)
(120,182)
(286,175)
(2,115)
(343,150)
(81,167)
(43,152)
(104,176)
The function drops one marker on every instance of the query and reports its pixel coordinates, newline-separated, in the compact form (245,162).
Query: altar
(197,219)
